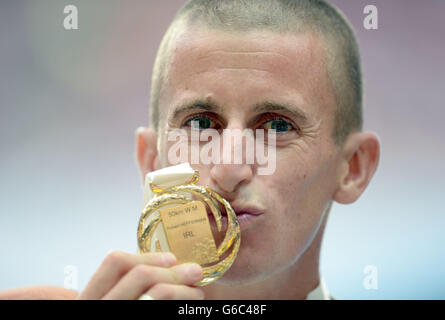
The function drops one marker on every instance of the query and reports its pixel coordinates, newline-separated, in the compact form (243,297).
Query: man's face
(260,80)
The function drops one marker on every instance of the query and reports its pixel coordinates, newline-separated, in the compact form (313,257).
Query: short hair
(283,16)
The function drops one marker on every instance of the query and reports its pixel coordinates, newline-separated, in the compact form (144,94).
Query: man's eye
(200,123)
(279,125)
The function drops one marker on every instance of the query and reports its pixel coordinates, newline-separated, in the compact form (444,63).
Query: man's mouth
(246,214)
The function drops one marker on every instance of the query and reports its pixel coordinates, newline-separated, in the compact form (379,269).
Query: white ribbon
(166,177)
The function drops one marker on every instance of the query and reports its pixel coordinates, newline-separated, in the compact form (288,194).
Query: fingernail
(169,258)
(191,270)
(194,270)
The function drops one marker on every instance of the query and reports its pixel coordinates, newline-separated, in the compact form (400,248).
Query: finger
(167,291)
(116,264)
(142,277)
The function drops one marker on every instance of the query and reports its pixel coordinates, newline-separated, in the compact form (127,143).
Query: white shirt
(321,292)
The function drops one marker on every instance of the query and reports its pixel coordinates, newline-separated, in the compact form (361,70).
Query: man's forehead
(256,45)
(296,57)
(271,54)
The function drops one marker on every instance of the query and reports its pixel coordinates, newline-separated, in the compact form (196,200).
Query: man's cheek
(289,178)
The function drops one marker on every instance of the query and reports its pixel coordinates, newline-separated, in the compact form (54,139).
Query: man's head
(284,17)
(291,65)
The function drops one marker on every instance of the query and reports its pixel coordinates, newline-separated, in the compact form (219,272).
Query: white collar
(321,292)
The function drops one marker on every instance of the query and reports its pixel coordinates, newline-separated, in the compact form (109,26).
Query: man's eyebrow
(197,104)
(291,110)
(266,106)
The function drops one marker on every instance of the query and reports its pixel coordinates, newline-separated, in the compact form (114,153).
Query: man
(292,66)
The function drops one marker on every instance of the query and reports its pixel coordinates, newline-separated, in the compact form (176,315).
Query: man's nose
(229,174)
(229,177)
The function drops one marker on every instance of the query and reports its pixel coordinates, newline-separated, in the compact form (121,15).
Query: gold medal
(173,221)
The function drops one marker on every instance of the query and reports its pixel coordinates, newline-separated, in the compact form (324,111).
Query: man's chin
(245,270)
(234,277)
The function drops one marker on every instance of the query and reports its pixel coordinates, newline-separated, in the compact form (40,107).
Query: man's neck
(294,282)
(283,286)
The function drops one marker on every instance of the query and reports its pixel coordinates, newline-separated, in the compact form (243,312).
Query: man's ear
(361,153)
(146,151)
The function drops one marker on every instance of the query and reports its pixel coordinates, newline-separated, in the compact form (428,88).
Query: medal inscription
(188,233)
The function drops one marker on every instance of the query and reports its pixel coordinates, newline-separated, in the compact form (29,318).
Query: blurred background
(70,102)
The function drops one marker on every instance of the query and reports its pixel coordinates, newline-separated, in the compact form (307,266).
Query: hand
(126,276)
